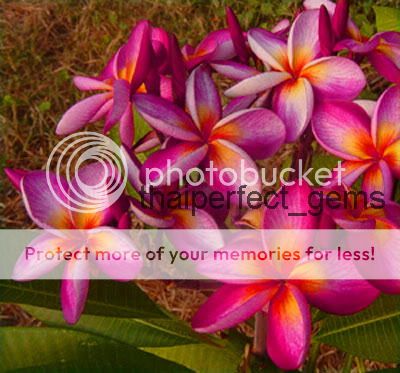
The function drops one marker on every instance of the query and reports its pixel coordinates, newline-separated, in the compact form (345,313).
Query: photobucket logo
(79,186)
(244,175)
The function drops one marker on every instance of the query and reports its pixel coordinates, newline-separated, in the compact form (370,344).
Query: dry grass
(44,44)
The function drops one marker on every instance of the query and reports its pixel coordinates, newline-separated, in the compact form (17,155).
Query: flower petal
(259,132)
(120,102)
(225,170)
(385,126)
(392,157)
(85,83)
(182,156)
(237,35)
(15,176)
(74,292)
(386,60)
(258,83)
(289,328)
(296,199)
(186,219)
(166,117)
(340,297)
(378,178)
(202,99)
(293,101)
(126,127)
(81,113)
(368,105)
(335,78)
(234,70)
(303,40)
(149,216)
(342,128)
(238,103)
(231,305)
(46,200)
(269,48)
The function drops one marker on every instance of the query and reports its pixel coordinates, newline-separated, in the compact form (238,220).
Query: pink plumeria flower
(369,146)
(298,76)
(151,212)
(202,135)
(124,74)
(49,213)
(286,302)
(382,51)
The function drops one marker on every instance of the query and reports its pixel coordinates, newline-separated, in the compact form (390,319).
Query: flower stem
(260,334)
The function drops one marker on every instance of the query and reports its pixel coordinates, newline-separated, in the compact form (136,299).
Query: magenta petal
(387,286)
(341,297)
(166,117)
(202,99)
(148,142)
(257,83)
(281,27)
(236,35)
(186,219)
(385,126)
(46,207)
(387,64)
(335,78)
(340,18)
(269,48)
(73,298)
(288,328)
(293,101)
(234,70)
(134,60)
(259,132)
(342,128)
(183,156)
(325,32)
(133,167)
(120,102)
(303,40)
(238,103)
(15,176)
(296,200)
(81,113)
(378,178)
(177,63)
(85,83)
(229,306)
(150,216)
(126,127)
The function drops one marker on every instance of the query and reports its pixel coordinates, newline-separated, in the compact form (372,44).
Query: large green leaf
(106,298)
(387,19)
(51,349)
(224,355)
(372,334)
(136,332)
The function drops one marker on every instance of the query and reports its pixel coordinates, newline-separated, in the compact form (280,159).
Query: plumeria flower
(369,146)
(382,51)
(151,211)
(299,75)
(49,212)
(124,74)
(202,135)
(286,302)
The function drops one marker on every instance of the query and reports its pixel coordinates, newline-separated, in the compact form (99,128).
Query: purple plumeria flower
(125,74)
(203,134)
(297,73)
(366,135)
(150,211)
(49,213)
(286,302)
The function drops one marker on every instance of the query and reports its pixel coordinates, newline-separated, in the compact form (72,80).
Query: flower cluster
(301,79)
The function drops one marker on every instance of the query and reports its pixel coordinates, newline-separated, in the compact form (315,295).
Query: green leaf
(200,357)
(387,19)
(49,349)
(106,298)
(136,332)
(371,334)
